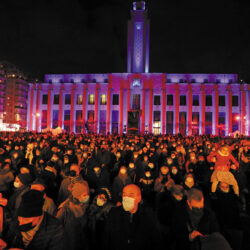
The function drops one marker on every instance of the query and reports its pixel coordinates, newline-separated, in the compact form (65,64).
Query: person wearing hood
(74,216)
(21,186)
(98,214)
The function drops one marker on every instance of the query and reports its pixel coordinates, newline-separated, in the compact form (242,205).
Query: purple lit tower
(138,39)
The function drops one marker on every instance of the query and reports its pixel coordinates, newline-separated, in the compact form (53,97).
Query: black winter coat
(132,232)
(50,236)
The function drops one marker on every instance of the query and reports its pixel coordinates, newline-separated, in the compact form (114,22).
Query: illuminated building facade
(13,96)
(138,101)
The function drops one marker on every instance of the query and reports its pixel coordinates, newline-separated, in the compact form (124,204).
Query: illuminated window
(157,123)
(91,99)
(103,99)
(79,100)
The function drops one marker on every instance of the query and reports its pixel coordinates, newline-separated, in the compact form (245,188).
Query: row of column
(150,83)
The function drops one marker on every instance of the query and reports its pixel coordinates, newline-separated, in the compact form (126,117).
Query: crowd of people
(91,191)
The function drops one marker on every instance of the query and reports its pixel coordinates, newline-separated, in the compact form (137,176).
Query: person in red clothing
(221,173)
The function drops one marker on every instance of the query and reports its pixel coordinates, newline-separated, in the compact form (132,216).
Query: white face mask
(16,184)
(100,202)
(85,199)
(128,203)
(174,171)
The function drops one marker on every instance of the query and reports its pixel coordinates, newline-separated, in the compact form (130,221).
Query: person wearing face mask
(97,177)
(176,175)
(167,203)
(120,181)
(73,213)
(164,180)
(98,213)
(21,186)
(35,229)
(227,209)
(131,225)
(132,171)
(74,177)
(193,224)
(189,182)
(146,185)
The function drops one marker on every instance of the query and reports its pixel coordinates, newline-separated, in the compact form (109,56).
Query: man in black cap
(36,229)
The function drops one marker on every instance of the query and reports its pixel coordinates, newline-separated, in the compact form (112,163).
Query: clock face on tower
(136,82)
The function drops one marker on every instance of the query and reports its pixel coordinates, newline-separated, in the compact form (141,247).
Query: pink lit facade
(139,101)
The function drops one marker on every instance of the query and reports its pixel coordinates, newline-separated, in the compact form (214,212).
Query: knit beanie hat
(31,204)
(26,179)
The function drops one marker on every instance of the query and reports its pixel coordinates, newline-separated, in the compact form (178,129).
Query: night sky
(79,36)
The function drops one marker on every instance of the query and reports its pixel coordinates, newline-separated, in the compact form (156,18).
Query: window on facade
(136,102)
(183,101)
(91,121)
(170,100)
(235,122)
(157,123)
(102,122)
(78,115)
(115,120)
(44,119)
(183,122)
(66,115)
(67,99)
(222,100)
(103,99)
(55,118)
(169,122)
(196,100)
(79,100)
(157,100)
(91,99)
(208,123)
(235,100)
(56,99)
(209,100)
(45,99)
(222,123)
(115,99)
(195,123)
